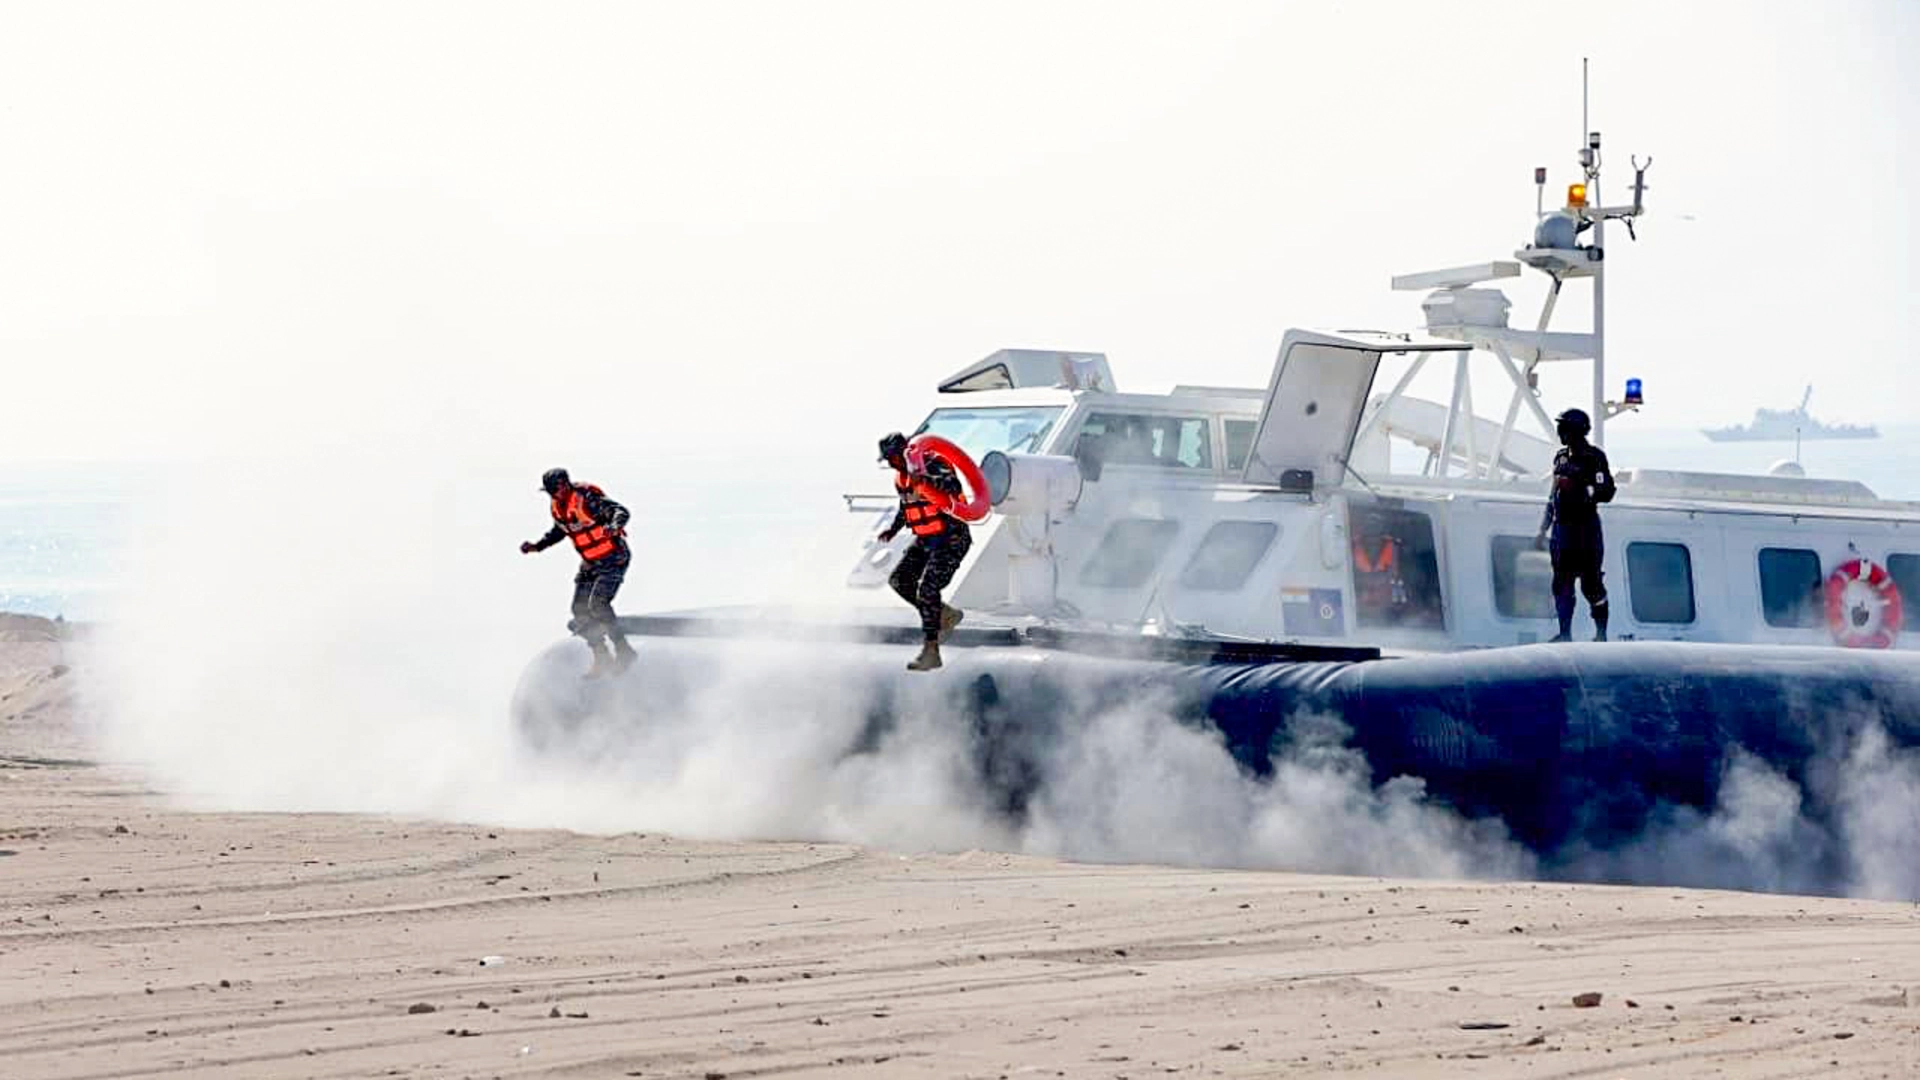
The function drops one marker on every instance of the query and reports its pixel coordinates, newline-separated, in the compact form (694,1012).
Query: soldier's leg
(942,561)
(582,622)
(943,558)
(905,579)
(1563,574)
(1594,588)
(600,605)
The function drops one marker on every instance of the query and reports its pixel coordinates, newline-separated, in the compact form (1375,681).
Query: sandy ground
(137,939)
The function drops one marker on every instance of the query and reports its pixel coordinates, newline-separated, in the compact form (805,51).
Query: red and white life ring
(976,506)
(1863,605)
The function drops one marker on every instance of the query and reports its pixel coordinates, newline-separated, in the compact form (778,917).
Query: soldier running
(940,541)
(597,526)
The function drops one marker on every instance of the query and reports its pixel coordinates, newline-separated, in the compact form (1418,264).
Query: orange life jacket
(590,538)
(923,504)
(1377,565)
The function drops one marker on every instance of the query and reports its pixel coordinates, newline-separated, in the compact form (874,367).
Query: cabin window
(1396,572)
(1790,587)
(1522,579)
(1906,577)
(1169,442)
(977,431)
(1129,552)
(1660,582)
(1240,435)
(1228,554)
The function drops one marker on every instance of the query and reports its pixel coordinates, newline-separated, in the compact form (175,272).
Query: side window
(1396,570)
(1129,552)
(1193,445)
(1660,581)
(1906,576)
(1227,554)
(1239,442)
(1173,442)
(1522,579)
(1790,587)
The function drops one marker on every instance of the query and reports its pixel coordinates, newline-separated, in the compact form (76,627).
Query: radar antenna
(1459,308)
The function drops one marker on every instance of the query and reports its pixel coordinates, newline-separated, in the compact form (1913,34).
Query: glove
(887,535)
(527,548)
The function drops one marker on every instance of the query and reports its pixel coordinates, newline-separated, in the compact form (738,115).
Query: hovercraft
(1331,548)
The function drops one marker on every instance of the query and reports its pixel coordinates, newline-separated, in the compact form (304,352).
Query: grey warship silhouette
(1784,424)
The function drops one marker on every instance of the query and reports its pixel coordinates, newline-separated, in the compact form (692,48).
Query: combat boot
(928,660)
(950,617)
(603,664)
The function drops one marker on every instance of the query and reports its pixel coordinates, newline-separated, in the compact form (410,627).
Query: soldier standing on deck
(1582,480)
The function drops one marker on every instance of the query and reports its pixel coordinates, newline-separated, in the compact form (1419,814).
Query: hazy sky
(228,226)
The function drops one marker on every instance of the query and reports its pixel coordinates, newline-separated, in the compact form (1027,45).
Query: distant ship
(1783,424)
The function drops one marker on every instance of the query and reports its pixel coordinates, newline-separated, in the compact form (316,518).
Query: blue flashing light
(1633,392)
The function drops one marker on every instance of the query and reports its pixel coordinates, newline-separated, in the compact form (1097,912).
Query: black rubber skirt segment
(1566,744)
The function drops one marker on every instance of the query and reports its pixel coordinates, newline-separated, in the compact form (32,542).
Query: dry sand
(139,939)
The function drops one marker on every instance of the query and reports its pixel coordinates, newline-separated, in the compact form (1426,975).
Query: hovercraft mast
(1456,309)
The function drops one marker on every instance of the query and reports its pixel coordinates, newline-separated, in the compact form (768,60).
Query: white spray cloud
(1850,826)
(1879,814)
(1754,837)
(1132,784)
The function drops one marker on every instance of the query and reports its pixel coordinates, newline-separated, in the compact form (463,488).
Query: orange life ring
(976,506)
(1863,605)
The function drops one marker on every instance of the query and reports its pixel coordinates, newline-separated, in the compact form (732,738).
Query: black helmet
(1571,423)
(894,445)
(555,479)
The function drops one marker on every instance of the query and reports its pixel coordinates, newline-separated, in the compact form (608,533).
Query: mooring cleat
(950,617)
(928,660)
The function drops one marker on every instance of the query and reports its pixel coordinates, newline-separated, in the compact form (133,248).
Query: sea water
(64,531)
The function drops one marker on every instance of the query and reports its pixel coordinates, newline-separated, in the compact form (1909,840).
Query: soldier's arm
(1603,485)
(606,511)
(554,536)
